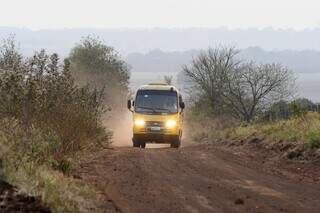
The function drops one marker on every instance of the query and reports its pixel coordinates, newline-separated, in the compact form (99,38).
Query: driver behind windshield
(170,104)
(153,101)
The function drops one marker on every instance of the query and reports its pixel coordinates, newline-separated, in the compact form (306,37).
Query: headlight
(139,122)
(171,123)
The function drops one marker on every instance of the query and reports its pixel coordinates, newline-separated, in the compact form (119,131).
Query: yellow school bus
(157,112)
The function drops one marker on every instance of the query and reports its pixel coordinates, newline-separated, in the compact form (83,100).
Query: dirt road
(199,178)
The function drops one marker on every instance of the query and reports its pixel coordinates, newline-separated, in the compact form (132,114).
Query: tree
(305,104)
(10,58)
(207,75)
(278,110)
(39,94)
(253,88)
(235,87)
(93,62)
(98,63)
(168,79)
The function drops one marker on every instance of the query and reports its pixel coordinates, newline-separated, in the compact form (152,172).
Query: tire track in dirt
(196,179)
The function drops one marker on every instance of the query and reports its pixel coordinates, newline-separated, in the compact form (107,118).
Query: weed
(313,139)
(304,128)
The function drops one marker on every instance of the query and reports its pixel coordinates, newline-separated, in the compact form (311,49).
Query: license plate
(155,128)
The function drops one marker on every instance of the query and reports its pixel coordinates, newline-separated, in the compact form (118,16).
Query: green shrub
(313,139)
(41,96)
(64,166)
(46,122)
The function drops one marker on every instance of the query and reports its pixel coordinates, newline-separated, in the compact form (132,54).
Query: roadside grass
(59,192)
(200,127)
(32,167)
(303,129)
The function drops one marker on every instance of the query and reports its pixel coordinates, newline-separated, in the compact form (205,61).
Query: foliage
(200,126)
(168,79)
(303,129)
(284,109)
(313,139)
(234,87)
(40,94)
(29,167)
(100,66)
(46,121)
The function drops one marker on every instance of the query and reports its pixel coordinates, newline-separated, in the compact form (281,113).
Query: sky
(45,14)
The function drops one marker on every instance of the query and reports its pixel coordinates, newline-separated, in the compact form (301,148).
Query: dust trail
(120,123)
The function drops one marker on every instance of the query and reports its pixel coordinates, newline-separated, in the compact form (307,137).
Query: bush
(46,120)
(52,114)
(313,139)
(95,64)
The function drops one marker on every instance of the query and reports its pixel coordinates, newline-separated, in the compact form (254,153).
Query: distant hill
(165,50)
(307,61)
(175,39)
(153,53)
(159,61)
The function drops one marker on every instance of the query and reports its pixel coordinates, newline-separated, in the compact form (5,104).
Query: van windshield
(156,101)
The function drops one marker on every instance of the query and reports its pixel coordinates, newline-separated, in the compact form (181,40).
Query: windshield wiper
(149,108)
(168,110)
(155,109)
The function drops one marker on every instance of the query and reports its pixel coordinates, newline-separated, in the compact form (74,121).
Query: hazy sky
(37,14)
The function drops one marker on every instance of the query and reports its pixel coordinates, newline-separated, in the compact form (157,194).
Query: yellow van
(157,111)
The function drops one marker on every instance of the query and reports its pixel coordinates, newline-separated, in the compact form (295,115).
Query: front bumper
(155,138)
(156,128)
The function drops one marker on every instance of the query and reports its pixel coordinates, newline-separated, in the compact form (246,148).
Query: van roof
(157,86)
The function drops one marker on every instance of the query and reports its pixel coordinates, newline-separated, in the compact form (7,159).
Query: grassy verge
(32,166)
(304,130)
(60,193)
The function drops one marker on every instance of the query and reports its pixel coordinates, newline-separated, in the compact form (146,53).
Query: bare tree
(252,88)
(168,79)
(208,74)
(235,87)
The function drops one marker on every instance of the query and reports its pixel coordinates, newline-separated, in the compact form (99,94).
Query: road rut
(194,179)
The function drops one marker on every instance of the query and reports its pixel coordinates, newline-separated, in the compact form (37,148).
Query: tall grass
(302,129)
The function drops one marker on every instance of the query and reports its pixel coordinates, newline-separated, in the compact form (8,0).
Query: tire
(135,142)
(143,144)
(175,143)
(138,143)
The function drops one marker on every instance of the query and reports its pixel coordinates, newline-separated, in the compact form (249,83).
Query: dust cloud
(120,123)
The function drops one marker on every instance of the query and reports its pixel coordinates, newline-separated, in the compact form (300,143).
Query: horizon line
(277,29)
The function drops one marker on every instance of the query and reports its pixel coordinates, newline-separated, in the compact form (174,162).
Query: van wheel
(142,144)
(139,143)
(175,143)
(135,142)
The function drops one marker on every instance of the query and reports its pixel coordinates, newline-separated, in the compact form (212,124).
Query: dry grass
(58,191)
(32,167)
(200,126)
(304,129)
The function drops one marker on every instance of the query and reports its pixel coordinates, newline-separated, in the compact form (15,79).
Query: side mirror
(129,105)
(182,105)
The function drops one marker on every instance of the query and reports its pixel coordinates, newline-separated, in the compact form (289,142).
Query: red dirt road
(199,178)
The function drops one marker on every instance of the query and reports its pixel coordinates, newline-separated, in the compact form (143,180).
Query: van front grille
(155,123)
